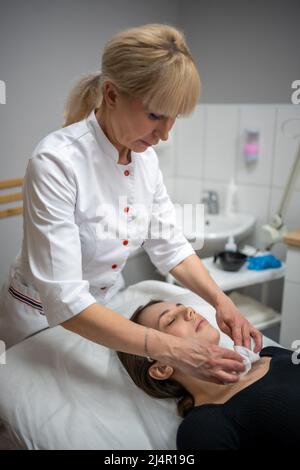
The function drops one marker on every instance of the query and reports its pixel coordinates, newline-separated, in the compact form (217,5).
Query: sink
(222,226)
(215,230)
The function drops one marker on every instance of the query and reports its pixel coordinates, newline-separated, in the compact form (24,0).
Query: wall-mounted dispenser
(251,145)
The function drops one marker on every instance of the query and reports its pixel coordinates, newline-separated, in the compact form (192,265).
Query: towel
(248,357)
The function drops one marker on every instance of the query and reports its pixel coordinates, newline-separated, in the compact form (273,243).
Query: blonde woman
(83,187)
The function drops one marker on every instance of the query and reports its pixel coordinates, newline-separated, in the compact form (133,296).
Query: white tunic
(74,189)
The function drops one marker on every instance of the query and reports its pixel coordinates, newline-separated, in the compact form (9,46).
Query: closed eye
(153,116)
(164,313)
(170,322)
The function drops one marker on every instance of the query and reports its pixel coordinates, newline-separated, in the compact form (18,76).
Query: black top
(264,414)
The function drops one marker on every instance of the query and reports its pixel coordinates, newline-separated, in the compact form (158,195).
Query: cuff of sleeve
(57,316)
(183,253)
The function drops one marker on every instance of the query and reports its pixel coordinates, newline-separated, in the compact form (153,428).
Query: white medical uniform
(73,189)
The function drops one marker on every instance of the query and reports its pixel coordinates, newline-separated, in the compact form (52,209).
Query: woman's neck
(104,123)
(206,392)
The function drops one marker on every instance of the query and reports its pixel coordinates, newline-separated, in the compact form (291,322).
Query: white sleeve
(166,244)
(52,239)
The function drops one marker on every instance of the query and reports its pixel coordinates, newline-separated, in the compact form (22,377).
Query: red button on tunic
(125,242)
(126,173)
(114,266)
(126,209)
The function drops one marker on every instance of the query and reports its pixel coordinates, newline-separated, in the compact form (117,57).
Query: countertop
(293,238)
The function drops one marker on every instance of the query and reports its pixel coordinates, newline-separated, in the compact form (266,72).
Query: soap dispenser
(230,244)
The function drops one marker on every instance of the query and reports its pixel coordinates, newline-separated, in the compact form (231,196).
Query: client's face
(178,320)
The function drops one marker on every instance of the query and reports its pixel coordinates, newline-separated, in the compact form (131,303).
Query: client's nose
(189,313)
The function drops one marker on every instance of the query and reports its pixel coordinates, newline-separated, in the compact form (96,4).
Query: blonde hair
(152,62)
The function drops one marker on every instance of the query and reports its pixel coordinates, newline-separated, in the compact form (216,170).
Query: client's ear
(160,371)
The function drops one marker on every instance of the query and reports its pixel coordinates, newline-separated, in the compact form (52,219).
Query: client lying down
(262,409)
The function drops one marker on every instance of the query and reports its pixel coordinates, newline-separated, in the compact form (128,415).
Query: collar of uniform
(103,141)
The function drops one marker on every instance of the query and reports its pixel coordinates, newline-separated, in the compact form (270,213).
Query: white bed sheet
(61,391)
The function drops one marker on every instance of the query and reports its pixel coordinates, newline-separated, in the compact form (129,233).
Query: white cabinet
(290,323)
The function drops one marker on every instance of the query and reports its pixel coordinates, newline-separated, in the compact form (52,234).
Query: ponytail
(83,98)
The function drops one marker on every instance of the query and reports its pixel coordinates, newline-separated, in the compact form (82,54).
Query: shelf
(244,277)
(234,280)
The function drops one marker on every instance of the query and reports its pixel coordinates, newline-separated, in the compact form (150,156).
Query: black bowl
(231,260)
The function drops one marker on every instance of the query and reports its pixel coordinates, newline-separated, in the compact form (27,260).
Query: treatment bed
(61,391)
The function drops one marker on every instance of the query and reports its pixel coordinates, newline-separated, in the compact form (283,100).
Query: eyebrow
(163,313)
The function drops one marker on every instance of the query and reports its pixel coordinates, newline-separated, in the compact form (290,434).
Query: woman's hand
(206,361)
(235,325)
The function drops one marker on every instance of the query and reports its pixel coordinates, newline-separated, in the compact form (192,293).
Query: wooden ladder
(11,197)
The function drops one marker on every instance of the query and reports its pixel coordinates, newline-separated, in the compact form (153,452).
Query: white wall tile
(187,190)
(254,200)
(220,188)
(189,138)
(288,124)
(166,154)
(220,142)
(261,118)
(292,215)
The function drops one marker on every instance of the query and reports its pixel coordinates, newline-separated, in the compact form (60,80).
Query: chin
(142,145)
(214,336)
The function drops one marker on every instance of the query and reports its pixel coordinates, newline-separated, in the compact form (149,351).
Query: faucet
(211,200)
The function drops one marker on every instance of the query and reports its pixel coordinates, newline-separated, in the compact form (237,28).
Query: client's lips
(200,323)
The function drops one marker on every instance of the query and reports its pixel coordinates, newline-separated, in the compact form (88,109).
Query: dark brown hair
(138,369)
